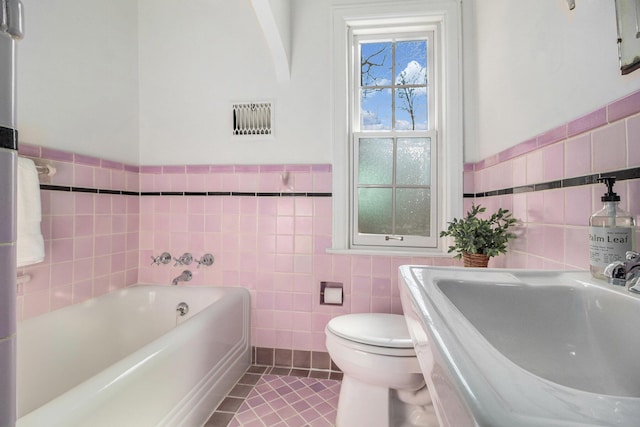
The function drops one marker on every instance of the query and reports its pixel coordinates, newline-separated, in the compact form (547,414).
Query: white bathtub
(119,360)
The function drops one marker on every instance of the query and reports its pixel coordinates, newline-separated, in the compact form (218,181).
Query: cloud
(371,121)
(414,74)
(406,125)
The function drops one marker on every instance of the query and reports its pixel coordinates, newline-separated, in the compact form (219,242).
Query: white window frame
(445,18)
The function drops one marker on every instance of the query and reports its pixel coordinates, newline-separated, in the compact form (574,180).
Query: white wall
(198,57)
(78,77)
(531,65)
(154,84)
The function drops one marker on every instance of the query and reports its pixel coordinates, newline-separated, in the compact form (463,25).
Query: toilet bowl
(382,383)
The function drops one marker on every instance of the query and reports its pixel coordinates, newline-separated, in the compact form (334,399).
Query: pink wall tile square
(519,171)
(553,210)
(553,158)
(249,206)
(303,182)
(633,143)
(62,250)
(102,203)
(83,247)
(468,182)
(62,226)
(303,264)
(61,273)
(118,179)
(322,182)
(303,244)
(578,156)
(162,182)
(62,203)
(102,178)
(578,205)
(609,148)
(535,167)
(535,207)
(83,176)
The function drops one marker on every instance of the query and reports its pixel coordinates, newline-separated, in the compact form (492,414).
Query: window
(393,139)
(397,126)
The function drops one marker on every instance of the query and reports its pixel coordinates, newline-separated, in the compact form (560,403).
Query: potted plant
(477,239)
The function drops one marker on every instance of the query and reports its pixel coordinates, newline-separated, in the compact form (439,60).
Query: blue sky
(410,67)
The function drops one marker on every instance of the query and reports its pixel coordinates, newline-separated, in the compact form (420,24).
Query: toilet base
(362,404)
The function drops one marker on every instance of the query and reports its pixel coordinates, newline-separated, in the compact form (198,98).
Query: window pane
(375,64)
(375,164)
(414,161)
(375,109)
(411,70)
(411,108)
(375,214)
(413,211)
(411,62)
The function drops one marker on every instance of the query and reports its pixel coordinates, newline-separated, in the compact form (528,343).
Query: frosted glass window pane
(375,161)
(375,213)
(414,161)
(375,109)
(375,64)
(413,211)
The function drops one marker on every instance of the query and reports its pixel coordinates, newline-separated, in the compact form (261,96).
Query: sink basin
(523,347)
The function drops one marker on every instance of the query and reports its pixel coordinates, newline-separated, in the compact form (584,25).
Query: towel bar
(46,170)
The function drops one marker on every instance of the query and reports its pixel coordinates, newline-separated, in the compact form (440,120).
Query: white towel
(30,244)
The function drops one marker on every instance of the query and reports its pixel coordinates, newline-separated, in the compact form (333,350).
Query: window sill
(421,253)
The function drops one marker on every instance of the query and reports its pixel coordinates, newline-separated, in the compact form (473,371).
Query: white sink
(524,348)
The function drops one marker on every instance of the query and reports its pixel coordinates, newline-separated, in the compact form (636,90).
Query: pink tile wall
(273,246)
(554,229)
(91,240)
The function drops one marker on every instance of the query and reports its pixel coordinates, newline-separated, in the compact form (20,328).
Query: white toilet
(382,383)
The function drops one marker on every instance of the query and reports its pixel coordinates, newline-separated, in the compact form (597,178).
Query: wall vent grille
(252,119)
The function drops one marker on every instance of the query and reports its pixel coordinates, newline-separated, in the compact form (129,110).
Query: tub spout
(185,276)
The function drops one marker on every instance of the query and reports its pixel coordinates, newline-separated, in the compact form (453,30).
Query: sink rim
(480,371)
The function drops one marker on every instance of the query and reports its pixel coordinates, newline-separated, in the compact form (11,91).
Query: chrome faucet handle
(163,258)
(632,256)
(206,260)
(617,273)
(185,259)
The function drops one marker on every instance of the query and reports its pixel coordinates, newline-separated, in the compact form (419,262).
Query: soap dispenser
(611,232)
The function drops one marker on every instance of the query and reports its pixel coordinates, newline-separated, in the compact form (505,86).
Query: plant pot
(475,260)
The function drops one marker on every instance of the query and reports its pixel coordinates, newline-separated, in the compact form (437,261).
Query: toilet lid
(379,329)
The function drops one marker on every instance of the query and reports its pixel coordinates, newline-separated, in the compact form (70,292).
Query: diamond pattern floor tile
(271,400)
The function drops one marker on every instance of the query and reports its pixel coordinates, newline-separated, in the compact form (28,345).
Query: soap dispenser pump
(611,232)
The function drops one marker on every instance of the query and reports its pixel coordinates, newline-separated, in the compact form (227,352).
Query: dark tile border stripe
(620,175)
(8,138)
(51,187)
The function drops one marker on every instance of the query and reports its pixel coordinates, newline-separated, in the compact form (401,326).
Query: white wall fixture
(253,119)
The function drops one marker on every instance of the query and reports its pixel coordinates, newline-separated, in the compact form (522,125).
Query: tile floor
(280,397)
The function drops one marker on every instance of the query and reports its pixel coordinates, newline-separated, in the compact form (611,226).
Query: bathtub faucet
(625,273)
(185,276)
